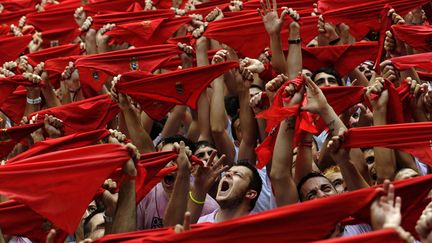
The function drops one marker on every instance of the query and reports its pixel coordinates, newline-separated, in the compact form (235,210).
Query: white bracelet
(36,101)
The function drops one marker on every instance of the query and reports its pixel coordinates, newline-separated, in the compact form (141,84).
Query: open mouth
(169,180)
(225,186)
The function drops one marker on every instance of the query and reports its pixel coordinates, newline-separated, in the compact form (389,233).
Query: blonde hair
(332,169)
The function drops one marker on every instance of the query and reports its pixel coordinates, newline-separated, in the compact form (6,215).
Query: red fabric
(379,236)
(9,84)
(204,11)
(75,140)
(418,37)
(129,17)
(406,97)
(109,6)
(53,196)
(412,138)
(15,104)
(60,36)
(303,222)
(13,47)
(425,75)
(178,87)
(18,219)
(11,136)
(231,32)
(52,19)
(13,17)
(17,5)
(56,66)
(342,58)
(423,60)
(149,32)
(119,62)
(340,99)
(298,5)
(53,52)
(84,115)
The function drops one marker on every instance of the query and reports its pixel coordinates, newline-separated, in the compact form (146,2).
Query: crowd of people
(212,120)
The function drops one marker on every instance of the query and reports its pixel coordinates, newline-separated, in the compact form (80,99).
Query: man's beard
(233,202)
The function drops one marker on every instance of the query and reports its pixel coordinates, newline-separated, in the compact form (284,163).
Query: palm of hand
(272,23)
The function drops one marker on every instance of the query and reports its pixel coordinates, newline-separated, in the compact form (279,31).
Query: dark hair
(329,71)
(157,128)
(232,105)
(305,178)
(203,143)
(256,181)
(176,139)
(233,133)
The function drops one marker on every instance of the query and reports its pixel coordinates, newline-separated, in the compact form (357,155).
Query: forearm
(199,194)
(125,216)
(353,179)
(218,117)
(139,136)
(66,99)
(174,121)
(49,95)
(303,164)
(146,122)
(357,75)
(278,58)
(332,120)
(385,162)
(178,201)
(30,108)
(249,125)
(294,58)
(411,72)
(204,118)
(282,182)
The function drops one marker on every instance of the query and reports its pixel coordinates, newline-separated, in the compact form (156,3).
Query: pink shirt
(151,210)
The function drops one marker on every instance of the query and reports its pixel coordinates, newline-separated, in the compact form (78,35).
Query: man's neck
(231,213)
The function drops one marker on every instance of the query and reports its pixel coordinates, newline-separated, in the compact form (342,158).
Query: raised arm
(284,187)
(137,133)
(385,162)
(273,24)
(294,58)
(218,116)
(178,201)
(125,216)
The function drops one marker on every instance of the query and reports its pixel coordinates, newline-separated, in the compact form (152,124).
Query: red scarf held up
(60,36)
(418,37)
(53,52)
(9,84)
(231,32)
(422,60)
(53,197)
(296,4)
(412,138)
(302,222)
(85,115)
(108,6)
(130,17)
(148,32)
(53,19)
(19,220)
(342,58)
(14,17)
(13,47)
(93,68)
(179,87)
(56,66)
(75,140)
(15,104)
(402,7)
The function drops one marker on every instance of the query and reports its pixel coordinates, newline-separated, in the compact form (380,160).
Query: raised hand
(80,16)
(116,137)
(377,87)
(396,18)
(186,224)
(326,31)
(215,14)
(272,22)
(36,42)
(124,101)
(388,71)
(386,209)
(149,5)
(253,65)
(334,146)
(235,5)
(316,101)
(184,153)
(220,56)
(424,224)
(102,39)
(86,24)
(53,126)
(207,175)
